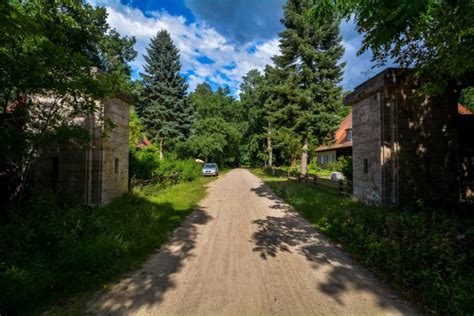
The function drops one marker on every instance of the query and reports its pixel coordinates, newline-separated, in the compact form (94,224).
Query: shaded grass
(59,256)
(425,255)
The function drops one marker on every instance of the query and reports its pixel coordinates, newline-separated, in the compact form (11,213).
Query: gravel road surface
(245,252)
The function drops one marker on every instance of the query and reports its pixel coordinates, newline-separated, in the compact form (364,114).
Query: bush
(187,170)
(143,161)
(315,170)
(342,164)
(146,164)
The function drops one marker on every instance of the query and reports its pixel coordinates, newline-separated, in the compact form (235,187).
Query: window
(116,165)
(349,134)
(366,166)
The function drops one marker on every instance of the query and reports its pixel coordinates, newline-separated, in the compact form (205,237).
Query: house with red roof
(342,145)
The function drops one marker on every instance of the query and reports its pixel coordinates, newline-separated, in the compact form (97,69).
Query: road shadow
(147,286)
(288,232)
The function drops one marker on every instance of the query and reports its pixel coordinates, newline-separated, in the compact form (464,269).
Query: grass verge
(59,256)
(425,255)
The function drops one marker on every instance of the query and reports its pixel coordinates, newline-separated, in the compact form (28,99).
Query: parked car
(210,169)
(336,176)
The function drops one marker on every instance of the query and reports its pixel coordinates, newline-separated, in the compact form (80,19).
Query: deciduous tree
(50,49)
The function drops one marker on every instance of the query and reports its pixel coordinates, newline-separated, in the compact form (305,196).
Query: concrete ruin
(95,175)
(406,147)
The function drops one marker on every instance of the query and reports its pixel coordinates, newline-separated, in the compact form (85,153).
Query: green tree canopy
(435,36)
(218,128)
(310,73)
(63,50)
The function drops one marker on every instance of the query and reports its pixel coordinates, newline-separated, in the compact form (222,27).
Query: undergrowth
(51,254)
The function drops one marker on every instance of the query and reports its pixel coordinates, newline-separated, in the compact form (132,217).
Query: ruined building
(409,147)
(95,175)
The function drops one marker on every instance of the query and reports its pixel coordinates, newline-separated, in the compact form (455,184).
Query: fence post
(315,180)
(341,186)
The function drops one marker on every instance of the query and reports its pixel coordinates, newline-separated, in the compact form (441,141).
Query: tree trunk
(304,157)
(162,142)
(264,145)
(293,160)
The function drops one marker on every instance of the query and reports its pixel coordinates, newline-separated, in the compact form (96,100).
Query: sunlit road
(245,252)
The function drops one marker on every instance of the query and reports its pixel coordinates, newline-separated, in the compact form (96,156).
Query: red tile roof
(342,142)
(341,135)
(144,142)
(463,110)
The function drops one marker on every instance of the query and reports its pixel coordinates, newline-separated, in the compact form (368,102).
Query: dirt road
(245,252)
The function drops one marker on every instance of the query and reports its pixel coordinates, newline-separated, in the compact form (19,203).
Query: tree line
(65,50)
(288,109)
(282,114)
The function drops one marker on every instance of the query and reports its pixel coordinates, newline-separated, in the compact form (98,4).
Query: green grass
(320,172)
(425,255)
(54,258)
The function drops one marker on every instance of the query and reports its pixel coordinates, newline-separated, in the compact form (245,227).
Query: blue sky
(221,40)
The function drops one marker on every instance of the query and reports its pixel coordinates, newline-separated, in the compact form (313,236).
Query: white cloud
(193,40)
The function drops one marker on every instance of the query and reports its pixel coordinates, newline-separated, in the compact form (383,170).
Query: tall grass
(50,254)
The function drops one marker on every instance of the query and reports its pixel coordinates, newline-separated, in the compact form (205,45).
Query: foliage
(218,128)
(145,164)
(316,170)
(50,52)
(342,164)
(163,106)
(435,36)
(187,170)
(467,98)
(252,98)
(308,72)
(425,254)
(52,253)
(135,129)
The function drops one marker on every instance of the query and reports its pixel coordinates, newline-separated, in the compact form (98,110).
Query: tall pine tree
(165,111)
(310,74)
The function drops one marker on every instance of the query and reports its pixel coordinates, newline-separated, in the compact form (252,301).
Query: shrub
(342,164)
(146,164)
(143,161)
(187,170)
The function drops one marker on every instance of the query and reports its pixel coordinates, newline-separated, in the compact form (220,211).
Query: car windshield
(210,165)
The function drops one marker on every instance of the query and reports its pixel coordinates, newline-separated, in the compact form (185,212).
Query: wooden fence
(341,186)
